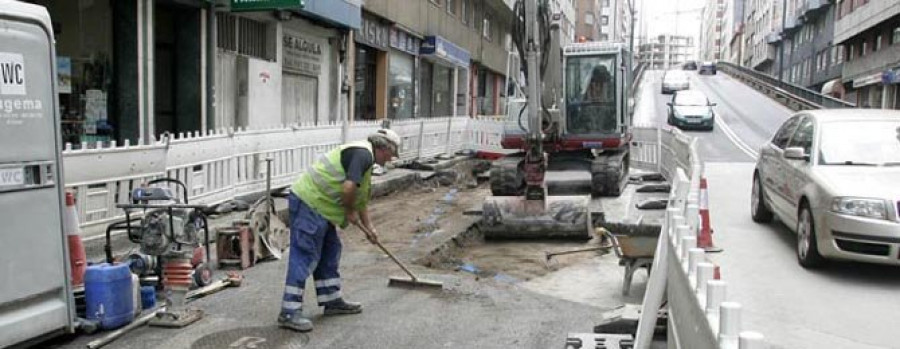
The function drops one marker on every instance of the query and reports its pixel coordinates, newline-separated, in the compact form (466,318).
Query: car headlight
(870,208)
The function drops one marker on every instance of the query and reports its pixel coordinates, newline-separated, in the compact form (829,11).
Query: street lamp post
(783,39)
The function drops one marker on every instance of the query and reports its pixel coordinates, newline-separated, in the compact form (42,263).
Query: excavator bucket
(556,217)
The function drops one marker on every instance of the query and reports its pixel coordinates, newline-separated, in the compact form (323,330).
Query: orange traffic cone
(704,239)
(72,227)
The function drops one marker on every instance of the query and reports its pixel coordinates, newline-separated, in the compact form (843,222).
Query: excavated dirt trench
(426,223)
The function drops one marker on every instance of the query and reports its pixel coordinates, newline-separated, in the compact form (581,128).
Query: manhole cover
(270,337)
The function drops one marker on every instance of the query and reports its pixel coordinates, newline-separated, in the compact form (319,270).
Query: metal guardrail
(794,96)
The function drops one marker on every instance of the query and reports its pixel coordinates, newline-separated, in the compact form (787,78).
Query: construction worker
(333,193)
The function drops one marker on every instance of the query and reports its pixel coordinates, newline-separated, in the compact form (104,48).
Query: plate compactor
(575,117)
(174,242)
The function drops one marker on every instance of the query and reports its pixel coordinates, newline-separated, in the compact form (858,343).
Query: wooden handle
(394,258)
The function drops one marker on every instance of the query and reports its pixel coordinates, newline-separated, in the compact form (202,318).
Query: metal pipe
(211,65)
(781,52)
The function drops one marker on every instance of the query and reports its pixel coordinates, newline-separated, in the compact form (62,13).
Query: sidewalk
(470,312)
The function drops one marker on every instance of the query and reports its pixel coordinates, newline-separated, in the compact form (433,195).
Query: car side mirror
(796,153)
(669,103)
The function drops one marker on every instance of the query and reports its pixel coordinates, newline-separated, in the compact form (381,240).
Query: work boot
(340,307)
(295,322)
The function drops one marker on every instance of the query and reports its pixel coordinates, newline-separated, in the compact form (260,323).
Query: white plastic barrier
(700,314)
(223,164)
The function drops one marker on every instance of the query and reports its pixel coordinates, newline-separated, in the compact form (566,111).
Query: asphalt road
(846,305)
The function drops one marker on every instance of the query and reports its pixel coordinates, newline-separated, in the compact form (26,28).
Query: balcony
(812,9)
(873,62)
(792,24)
(773,38)
(863,18)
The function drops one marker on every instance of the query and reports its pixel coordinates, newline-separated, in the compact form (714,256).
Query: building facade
(458,69)
(587,14)
(869,31)
(711,27)
(616,18)
(667,51)
(811,59)
(732,31)
(136,70)
(762,25)
(567,20)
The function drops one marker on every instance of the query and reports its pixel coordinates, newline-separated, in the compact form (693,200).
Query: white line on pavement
(737,141)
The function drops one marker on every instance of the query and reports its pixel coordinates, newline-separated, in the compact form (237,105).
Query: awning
(437,47)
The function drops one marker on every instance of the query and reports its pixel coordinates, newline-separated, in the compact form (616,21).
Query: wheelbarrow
(634,251)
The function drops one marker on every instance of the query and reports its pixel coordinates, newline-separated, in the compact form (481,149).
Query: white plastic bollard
(729,324)
(671,213)
(687,243)
(695,256)
(704,275)
(677,221)
(752,340)
(692,215)
(681,232)
(715,295)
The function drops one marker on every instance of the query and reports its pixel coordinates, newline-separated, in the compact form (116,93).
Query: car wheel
(758,209)
(807,247)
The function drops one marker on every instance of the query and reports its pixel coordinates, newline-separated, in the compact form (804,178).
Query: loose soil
(426,223)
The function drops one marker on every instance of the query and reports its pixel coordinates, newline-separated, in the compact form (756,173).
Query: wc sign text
(12,74)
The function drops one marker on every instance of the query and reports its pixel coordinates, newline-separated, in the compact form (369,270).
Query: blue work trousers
(316,250)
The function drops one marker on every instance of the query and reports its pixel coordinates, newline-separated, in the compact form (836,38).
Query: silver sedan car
(833,177)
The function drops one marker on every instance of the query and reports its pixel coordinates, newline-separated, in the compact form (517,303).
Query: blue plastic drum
(108,295)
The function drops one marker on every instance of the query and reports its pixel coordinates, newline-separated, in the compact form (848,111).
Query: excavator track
(609,173)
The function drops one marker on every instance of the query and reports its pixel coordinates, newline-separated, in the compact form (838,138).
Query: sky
(667,16)
(680,17)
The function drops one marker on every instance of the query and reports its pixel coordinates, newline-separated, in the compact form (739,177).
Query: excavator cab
(595,79)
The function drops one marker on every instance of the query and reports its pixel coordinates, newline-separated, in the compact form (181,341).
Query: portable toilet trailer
(35,291)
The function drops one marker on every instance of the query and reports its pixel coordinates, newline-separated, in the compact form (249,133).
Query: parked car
(691,109)
(689,65)
(675,80)
(833,177)
(707,68)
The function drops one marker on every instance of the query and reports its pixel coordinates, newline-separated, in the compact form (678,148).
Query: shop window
(365,83)
(400,86)
(877,45)
(895,37)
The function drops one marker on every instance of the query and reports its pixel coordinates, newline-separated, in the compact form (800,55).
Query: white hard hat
(391,137)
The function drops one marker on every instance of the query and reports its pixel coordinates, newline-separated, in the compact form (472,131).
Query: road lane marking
(737,141)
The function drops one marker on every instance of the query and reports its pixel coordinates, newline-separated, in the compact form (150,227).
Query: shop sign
(404,41)
(867,80)
(265,5)
(373,33)
(891,76)
(302,54)
(437,46)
